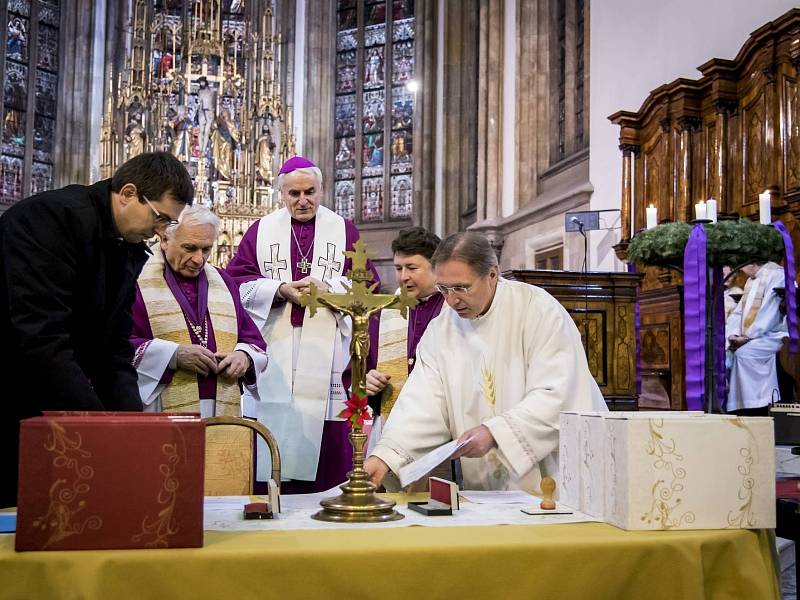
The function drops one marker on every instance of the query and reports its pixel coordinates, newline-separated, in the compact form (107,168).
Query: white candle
(711,210)
(700,210)
(652,216)
(765,207)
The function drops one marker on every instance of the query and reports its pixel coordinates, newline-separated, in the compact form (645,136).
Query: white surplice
(302,386)
(753,368)
(514,369)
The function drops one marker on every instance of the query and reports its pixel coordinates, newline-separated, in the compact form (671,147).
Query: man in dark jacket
(69,260)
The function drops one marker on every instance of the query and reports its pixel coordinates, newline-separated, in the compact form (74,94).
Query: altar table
(548,562)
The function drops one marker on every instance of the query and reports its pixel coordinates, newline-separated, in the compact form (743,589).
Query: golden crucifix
(358,503)
(360,303)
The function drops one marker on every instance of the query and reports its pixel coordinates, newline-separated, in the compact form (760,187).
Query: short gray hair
(468,247)
(307,170)
(195,215)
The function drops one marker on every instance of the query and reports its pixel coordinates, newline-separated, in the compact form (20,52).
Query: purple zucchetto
(296,162)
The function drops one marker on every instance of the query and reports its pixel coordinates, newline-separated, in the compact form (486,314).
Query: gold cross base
(358,502)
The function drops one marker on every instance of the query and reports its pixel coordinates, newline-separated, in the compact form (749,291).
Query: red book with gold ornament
(110,481)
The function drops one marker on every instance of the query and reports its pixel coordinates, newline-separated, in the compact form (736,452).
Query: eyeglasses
(458,290)
(164,219)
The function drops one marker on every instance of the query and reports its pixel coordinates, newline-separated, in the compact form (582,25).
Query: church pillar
(317,82)
(460,105)
(286,22)
(509,137)
(489,109)
(81,72)
(426,55)
(514,122)
(489,159)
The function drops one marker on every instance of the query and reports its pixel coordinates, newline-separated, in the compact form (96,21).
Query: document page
(422,466)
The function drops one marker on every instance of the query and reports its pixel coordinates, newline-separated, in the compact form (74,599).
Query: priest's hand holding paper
(195,358)
(376,469)
(233,365)
(477,442)
(376,382)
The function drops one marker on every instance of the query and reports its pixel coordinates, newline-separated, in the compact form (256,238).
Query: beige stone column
(88,44)
(489,110)
(318,74)
(460,105)
(425,58)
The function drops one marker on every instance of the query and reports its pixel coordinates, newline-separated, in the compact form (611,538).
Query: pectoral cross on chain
(330,265)
(304,266)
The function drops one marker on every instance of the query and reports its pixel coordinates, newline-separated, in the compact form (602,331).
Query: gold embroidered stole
(760,284)
(168,323)
(392,358)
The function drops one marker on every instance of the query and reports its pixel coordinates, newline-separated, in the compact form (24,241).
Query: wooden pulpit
(603,306)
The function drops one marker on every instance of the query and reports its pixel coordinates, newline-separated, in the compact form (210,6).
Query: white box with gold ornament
(582,456)
(568,486)
(592,458)
(713,472)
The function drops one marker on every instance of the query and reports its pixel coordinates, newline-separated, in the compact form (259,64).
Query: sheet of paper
(499,497)
(422,466)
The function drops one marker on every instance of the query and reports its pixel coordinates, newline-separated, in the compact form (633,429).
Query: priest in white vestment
(754,333)
(307,381)
(496,370)
(193,341)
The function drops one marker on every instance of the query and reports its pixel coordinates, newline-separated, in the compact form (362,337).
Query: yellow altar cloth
(558,562)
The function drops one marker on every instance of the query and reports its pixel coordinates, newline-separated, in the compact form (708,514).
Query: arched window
(569,80)
(29,72)
(374,110)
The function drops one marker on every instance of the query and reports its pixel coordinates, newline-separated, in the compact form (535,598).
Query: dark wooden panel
(603,306)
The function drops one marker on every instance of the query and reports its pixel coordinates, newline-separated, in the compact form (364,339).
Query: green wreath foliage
(732,243)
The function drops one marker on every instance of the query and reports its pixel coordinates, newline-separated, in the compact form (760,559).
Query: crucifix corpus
(358,502)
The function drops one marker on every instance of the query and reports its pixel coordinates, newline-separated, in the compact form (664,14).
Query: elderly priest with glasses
(306,383)
(495,372)
(193,340)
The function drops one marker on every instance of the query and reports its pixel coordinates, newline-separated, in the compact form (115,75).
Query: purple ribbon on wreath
(694,316)
(719,337)
(789,276)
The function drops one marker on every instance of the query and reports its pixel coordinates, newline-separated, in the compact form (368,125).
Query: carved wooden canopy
(728,135)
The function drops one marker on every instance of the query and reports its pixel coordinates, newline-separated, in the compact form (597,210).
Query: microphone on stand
(584,270)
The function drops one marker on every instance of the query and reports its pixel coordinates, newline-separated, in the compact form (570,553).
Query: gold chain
(200,331)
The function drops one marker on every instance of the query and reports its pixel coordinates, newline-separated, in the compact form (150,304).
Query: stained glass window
(374,110)
(29,73)
(569,79)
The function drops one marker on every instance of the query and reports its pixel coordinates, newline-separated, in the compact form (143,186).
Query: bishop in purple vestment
(182,263)
(315,450)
